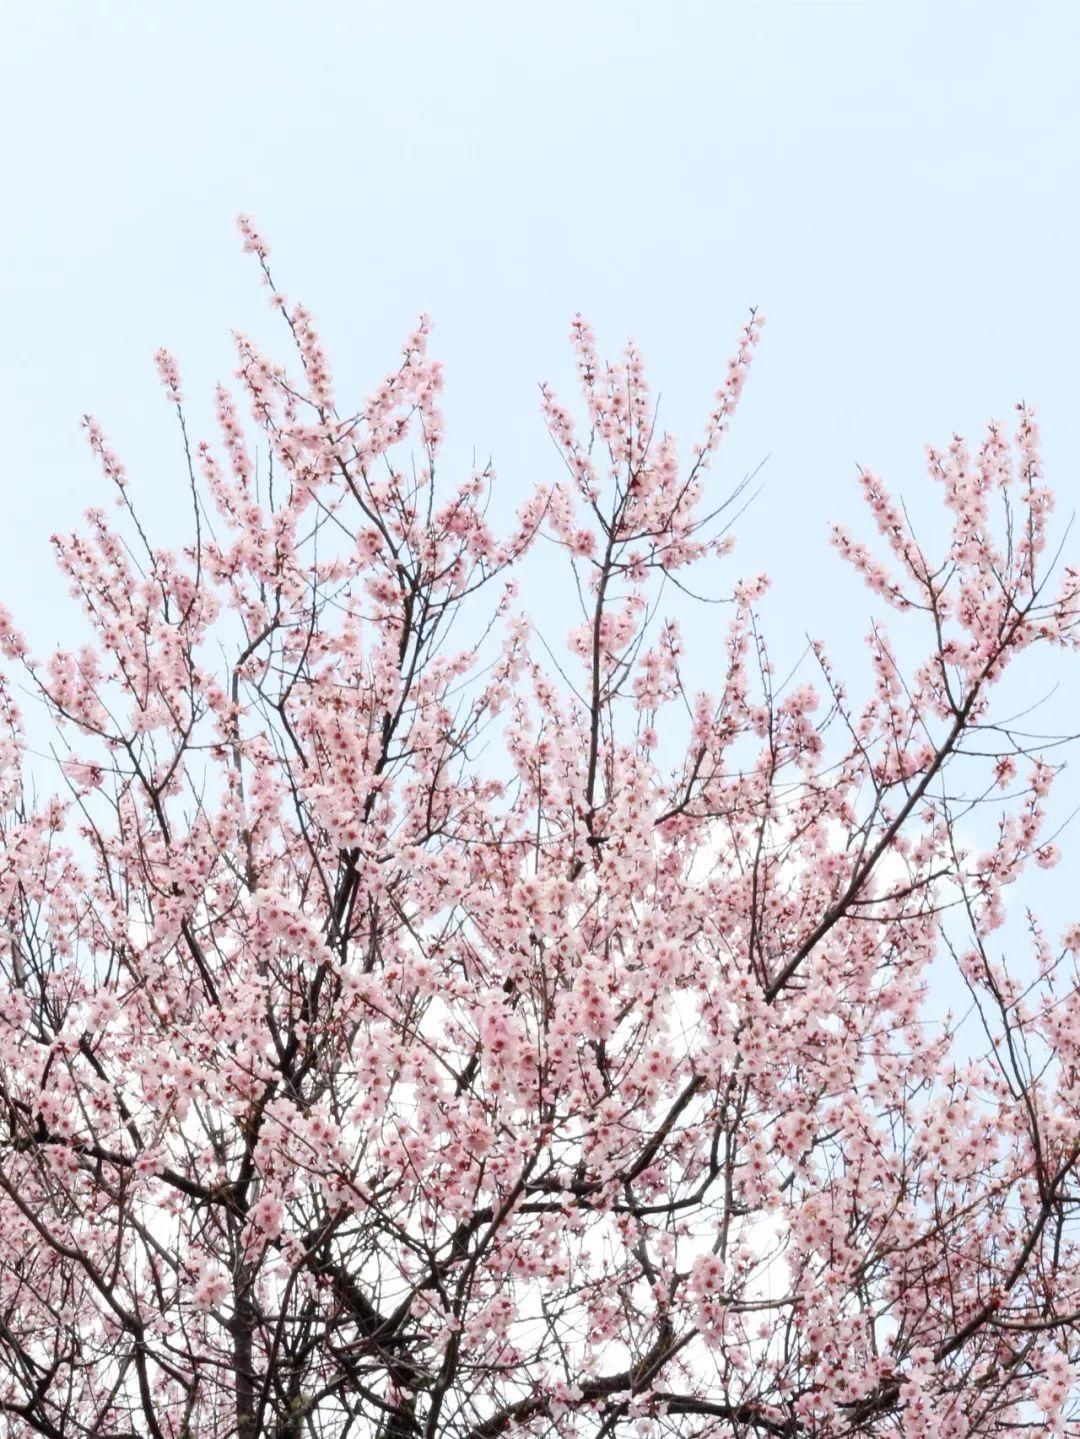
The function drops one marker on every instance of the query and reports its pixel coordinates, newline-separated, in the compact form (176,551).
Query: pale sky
(893,183)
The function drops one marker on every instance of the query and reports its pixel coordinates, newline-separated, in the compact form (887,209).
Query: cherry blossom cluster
(410,1029)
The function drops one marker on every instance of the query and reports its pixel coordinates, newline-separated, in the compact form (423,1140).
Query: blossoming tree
(359,1080)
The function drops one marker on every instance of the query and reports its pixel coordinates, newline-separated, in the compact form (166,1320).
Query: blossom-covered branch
(408,1031)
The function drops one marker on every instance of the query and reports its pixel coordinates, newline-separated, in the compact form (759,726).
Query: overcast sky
(893,183)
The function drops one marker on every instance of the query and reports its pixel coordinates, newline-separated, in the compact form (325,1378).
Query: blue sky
(893,183)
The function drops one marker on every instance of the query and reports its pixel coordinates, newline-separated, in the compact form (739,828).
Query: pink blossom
(477,1030)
